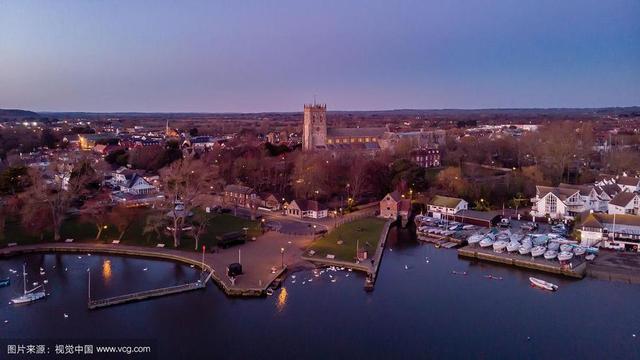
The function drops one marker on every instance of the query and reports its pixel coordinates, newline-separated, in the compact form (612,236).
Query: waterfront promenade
(262,260)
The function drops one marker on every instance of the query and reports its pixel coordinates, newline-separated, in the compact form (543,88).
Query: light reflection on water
(106,270)
(282,299)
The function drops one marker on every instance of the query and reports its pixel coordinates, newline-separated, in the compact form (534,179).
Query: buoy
(406,267)
(145,269)
(66,315)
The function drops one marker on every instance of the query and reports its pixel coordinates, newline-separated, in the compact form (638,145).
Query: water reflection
(282,299)
(106,270)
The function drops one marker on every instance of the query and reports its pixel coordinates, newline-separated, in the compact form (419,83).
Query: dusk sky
(250,56)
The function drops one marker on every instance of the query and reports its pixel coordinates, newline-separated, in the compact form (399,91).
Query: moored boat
(486,242)
(513,246)
(566,247)
(565,255)
(543,284)
(538,250)
(475,238)
(524,249)
(550,254)
(499,245)
(29,295)
(579,250)
(553,245)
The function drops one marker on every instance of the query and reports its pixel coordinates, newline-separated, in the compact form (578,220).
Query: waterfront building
(442,206)
(625,203)
(307,208)
(611,231)
(394,205)
(565,201)
(89,141)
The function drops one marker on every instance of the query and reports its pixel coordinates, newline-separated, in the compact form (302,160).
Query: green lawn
(81,230)
(365,232)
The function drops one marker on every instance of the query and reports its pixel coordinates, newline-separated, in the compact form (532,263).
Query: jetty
(577,270)
(143,295)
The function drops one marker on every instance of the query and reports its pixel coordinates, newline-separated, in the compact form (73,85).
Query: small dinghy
(538,250)
(553,245)
(565,255)
(524,249)
(566,247)
(486,242)
(513,246)
(543,284)
(474,239)
(499,246)
(550,254)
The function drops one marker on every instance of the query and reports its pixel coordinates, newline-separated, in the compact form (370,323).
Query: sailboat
(31,295)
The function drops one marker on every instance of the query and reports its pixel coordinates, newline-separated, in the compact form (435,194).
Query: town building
(443,206)
(89,141)
(317,136)
(394,206)
(426,157)
(307,208)
(565,201)
(132,189)
(269,201)
(239,195)
(626,183)
(625,203)
(611,231)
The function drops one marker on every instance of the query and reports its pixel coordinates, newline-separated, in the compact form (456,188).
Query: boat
(29,296)
(499,245)
(5,282)
(524,249)
(543,284)
(565,255)
(550,254)
(516,237)
(579,250)
(540,240)
(590,257)
(269,291)
(553,245)
(513,246)
(468,227)
(538,250)
(566,247)
(486,242)
(475,238)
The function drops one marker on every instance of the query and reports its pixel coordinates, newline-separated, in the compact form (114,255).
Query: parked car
(504,222)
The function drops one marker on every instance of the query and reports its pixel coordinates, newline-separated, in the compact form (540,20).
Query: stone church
(317,136)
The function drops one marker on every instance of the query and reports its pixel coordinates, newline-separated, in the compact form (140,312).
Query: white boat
(543,284)
(590,257)
(475,238)
(553,245)
(513,246)
(499,245)
(566,247)
(538,250)
(565,255)
(486,242)
(468,227)
(579,250)
(29,295)
(540,240)
(516,237)
(550,254)
(524,249)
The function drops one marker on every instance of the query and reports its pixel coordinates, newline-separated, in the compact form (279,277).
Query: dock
(143,295)
(578,270)
(446,242)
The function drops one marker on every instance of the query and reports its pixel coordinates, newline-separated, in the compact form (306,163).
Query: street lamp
(282,258)
(314,232)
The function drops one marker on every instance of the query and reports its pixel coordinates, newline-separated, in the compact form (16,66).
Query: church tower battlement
(314,131)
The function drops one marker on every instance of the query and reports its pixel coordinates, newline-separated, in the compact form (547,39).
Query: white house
(620,232)
(307,208)
(626,183)
(130,182)
(441,206)
(566,201)
(625,203)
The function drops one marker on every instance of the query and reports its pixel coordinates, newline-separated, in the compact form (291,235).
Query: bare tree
(199,226)
(185,183)
(56,188)
(122,217)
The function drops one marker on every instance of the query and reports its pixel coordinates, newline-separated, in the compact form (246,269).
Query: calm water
(422,312)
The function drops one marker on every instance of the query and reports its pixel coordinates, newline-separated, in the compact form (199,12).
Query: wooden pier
(540,264)
(147,294)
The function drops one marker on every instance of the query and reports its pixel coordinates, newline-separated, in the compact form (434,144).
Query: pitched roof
(628,180)
(600,219)
(395,196)
(309,205)
(559,192)
(609,189)
(356,132)
(585,190)
(623,198)
(238,189)
(445,201)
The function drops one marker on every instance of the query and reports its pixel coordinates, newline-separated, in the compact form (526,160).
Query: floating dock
(143,295)
(578,270)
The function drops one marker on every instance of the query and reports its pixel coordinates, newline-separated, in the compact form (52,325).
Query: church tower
(314,130)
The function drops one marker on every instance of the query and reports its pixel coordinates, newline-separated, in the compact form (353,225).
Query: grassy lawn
(366,232)
(84,231)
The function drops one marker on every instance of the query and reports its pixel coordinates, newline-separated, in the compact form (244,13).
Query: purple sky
(249,56)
